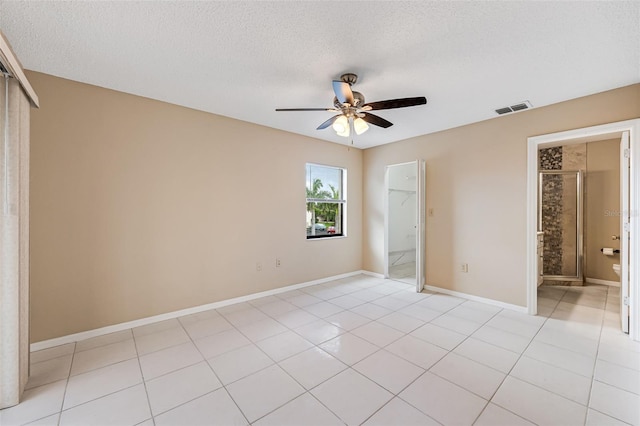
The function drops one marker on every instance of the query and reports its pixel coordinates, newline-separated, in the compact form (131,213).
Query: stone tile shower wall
(559,212)
(551,159)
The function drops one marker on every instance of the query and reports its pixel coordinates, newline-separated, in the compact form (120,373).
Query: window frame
(341,202)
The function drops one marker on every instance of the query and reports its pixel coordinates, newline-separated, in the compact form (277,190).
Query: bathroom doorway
(622,245)
(404,223)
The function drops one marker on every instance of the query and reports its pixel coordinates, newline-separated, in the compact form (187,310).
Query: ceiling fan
(353,111)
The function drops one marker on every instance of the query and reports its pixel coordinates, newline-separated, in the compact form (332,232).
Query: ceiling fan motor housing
(357,96)
(349,78)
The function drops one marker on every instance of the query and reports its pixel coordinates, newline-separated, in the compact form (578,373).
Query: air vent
(519,107)
(514,108)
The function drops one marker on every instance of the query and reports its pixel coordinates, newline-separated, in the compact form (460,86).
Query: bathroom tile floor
(359,350)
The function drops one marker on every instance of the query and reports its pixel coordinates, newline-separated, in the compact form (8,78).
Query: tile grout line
(277,363)
(206,361)
(66,385)
(593,371)
(507,374)
(427,370)
(144,382)
(349,367)
(537,386)
(397,395)
(379,348)
(454,348)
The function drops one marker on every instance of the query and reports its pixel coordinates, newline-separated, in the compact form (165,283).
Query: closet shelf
(406,191)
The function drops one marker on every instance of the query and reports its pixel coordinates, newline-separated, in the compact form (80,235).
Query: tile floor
(404,272)
(355,351)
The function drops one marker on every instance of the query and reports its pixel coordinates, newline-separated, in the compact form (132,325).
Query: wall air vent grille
(514,108)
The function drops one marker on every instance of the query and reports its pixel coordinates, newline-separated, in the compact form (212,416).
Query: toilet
(616,268)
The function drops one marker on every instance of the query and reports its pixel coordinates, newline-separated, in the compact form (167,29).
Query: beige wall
(476,184)
(141,207)
(602,202)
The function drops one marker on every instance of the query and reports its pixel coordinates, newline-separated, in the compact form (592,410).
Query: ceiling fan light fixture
(353,117)
(360,126)
(341,126)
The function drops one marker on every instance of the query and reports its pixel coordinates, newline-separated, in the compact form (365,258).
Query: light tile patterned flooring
(355,351)
(404,272)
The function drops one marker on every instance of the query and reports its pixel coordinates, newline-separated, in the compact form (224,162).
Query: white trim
(386,222)
(421,178)
(579,136)
(517,308)
(373,274)
(532,227)
(602,282)
(12,64)
(76,337)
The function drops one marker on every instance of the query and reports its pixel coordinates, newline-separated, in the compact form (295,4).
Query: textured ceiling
(244,59)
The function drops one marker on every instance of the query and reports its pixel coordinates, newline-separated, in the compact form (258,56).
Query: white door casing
(625,225)
(600,132)
(420,230)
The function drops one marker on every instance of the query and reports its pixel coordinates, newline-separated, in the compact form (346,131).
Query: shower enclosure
(560,218)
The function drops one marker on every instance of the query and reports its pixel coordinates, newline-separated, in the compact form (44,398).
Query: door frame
(582,135)
(420,220)
(625,235)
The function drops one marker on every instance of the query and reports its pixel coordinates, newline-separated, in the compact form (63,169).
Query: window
(326,201)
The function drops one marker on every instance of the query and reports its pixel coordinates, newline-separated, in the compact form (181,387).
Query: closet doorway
(404,223)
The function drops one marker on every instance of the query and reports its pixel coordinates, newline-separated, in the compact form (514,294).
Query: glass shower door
(560,217)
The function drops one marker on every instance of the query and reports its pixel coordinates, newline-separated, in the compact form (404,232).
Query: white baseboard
(602,282)
(373,274)
(521,309)
(76,337)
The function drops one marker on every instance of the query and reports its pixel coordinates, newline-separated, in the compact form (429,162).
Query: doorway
(404,223)
(627,133)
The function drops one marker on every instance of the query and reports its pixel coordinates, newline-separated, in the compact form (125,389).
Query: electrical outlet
(464,267)
(277,262)
(258,266)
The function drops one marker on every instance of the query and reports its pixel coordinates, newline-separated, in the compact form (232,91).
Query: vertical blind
(14,240)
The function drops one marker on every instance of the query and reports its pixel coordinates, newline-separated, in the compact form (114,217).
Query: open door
(404,223)
(420,227)
(625,231)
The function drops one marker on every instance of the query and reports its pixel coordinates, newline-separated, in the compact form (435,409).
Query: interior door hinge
(625,301)
(627,227)
(627,153)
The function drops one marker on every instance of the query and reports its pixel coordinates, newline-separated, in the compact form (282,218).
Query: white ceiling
(243,59)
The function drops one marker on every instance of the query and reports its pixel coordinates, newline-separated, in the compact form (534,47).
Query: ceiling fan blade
(395,103)
(304,109)
(329,122)
(343,92)
(376,121)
